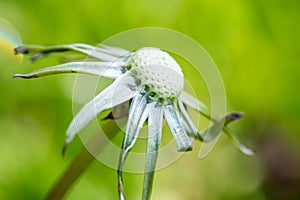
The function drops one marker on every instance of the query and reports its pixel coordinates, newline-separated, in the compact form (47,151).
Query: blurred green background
(255,44)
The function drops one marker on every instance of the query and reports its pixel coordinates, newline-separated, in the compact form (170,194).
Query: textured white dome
(157,70)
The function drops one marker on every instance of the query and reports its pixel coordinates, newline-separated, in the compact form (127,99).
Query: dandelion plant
(153,82)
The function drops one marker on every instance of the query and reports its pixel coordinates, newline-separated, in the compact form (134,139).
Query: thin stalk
(81,163)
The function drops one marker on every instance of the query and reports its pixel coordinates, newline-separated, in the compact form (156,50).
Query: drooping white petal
(194,103)
(134,123)
(187,123)
(154,137)
(145,115)
(106,69)
(137,109)
(182,140)
(237,143)
(212,132)
(114,50)
(39,51)
(111,53)
(121,90)
(93,51)
(233,116)
(210,135)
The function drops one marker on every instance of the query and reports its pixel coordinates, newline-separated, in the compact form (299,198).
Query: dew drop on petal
(9,39)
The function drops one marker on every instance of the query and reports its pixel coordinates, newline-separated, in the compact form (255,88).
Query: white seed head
(157,70)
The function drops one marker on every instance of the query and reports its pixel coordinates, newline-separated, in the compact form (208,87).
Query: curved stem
(78,166)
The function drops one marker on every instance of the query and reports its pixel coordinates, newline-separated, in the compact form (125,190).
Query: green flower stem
(81,163)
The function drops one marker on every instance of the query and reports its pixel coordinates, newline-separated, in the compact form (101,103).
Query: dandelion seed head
(158,71)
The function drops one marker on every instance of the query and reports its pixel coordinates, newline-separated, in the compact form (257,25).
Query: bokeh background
(255,44)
